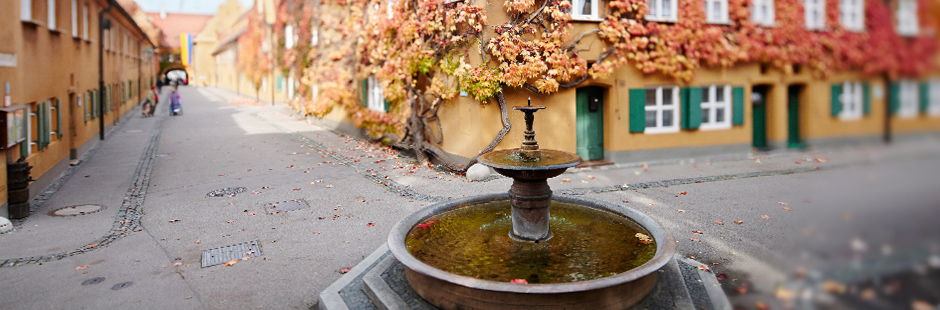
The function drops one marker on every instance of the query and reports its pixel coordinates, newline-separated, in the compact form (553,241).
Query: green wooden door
(590,122)
(759,100)
(793,117)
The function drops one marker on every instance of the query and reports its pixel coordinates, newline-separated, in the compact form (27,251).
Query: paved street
(844,214)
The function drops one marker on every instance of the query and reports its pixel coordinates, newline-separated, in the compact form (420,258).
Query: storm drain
(285,206)
(221,255)
(77,210)
(227,192)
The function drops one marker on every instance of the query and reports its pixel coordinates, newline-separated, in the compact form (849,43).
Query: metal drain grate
(285,206)
(217,256)
(227,192)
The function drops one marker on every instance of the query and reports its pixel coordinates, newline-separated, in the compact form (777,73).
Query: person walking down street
(155,99)
(147,109)
(175,107)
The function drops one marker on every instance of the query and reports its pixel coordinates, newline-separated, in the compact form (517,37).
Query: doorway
(759,97)
(794,94)
(590,122)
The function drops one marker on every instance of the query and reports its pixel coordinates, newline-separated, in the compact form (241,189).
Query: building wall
(55,66)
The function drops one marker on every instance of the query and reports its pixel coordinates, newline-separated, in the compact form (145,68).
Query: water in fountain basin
(473,241)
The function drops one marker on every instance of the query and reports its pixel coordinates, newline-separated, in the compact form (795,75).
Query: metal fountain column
(530,197)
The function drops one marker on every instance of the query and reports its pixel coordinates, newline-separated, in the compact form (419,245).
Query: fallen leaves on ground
(683,193)
(370,224)
(721,276)
(702,267)
(766,217)
(329,186)
(519,281)
(274,211)
(253,213)
(566,180)
(697,232)
(743,289)
(230,221)
(177,264)
(174,221)
(345,270)
(782,203)
(834,287)
(680,210)
(695,239)
(761,306)
(198,241)
(787,209)
(739,222)
(719,223)
(93,245)
(591,177)
(231,263)
(82,267)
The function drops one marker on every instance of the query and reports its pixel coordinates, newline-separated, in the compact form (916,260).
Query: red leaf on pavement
(345,270)
(370,224)
(230,221)
(253,213)
(702,267)
(519,281)
(695,239)
(82,267)
(683,193)
(719,223)
(721,276)
(739,222)
(231,262)
(297,189)
(697,232)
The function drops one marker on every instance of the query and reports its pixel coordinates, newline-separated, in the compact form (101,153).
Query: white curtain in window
(26,9)
(51,11)
(74,18)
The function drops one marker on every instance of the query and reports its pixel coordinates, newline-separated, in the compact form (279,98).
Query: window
(716,11)
(815,14)
(288,36)
(852,98)
(586,10)
(43,129)
(933,106)
(314,37)
(662,109)
(26,9)
(74,19)
(51,10)
(762,12)
(375,98)
(716,107)
(391,8)
(85,22)
(908,95)
(105,43)
(907,18)
(852,14)
(662,10)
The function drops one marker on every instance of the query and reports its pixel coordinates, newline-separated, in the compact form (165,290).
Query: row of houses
(780,74)
(71,70)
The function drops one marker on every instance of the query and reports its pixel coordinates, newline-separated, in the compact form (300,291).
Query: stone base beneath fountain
(378,282)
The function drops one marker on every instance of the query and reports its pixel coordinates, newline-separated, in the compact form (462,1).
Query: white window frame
(314,36)
(909,97)
(390,8)
(85,22)
(50,9)
(852,99)
(376,100)
(661,109)
(933,91)
(578,6)
(712,104)
(908,24)
(852,14)
(758,18)
(815,14)
(26,10)
(75,18)
(720,17)
(288,36)
(656,11)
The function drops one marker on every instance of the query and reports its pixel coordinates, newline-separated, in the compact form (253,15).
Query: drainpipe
(139,97)
(102,25)
(887,85)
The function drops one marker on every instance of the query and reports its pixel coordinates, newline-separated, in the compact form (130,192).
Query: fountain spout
(530,147)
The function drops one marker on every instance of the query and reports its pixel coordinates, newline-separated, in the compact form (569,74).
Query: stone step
(378,282)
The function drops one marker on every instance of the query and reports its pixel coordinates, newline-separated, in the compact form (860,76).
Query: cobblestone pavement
(157,174)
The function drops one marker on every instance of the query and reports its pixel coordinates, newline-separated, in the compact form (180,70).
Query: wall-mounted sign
(12,125)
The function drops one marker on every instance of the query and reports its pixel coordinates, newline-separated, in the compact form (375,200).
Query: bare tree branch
(504,116)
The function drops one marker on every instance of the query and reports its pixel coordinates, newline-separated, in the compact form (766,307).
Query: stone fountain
(525,249)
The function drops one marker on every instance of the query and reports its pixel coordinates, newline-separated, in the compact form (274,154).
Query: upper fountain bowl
(511,163)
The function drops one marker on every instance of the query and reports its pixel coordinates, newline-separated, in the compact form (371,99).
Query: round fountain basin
(509,162)
(458,256)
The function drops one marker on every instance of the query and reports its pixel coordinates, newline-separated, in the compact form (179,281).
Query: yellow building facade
(51,76)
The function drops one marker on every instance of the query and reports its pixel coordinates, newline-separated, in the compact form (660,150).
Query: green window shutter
(866,98)
(894,97)
(836,99)
(637,110)
(387,105)
(58,118)
(924,97)
(41,134)
(85,102)
(691,107)
(737,106)
(47,129)
(365,92)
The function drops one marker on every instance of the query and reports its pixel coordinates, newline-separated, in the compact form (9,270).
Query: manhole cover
(121,285)
(226,192)
(93,281)
(216,256)
(77,210)
(285,206)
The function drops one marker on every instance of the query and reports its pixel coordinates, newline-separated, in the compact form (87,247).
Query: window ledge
(55,31)
(719,22)
(722,126)
(32,22)
(585,18)
(661,130)
(662,20)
